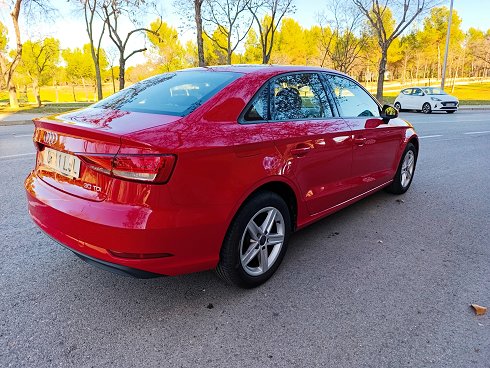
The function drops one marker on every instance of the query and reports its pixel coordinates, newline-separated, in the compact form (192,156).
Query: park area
(60,99)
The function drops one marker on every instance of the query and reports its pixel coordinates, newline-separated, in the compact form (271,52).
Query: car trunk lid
(77,151)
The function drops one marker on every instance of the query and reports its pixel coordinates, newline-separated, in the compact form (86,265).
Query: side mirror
(389,112)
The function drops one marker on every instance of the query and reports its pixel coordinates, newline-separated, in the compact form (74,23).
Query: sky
(69,27)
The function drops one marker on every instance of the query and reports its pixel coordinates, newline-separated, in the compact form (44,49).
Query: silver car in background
(426,99)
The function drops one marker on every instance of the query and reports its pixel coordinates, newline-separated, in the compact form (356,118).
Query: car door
(418,98)
(375,141)
(315,145)
(404,98)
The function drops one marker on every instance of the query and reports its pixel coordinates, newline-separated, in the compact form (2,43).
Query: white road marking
(431,136)
(22,135)
(19,155)
(483,132)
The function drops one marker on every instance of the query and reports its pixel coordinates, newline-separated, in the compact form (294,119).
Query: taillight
(154,168)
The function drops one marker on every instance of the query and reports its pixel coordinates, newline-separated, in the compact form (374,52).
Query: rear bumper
(116,268)
(185,238)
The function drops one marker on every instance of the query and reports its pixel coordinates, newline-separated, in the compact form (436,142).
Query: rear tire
(426,109)
(256,241)
(406,170)
(398,106)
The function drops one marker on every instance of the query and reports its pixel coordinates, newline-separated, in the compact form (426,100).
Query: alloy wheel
(262,241)
(408,166)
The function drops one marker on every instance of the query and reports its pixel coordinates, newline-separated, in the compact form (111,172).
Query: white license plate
(451,104)
(61,162)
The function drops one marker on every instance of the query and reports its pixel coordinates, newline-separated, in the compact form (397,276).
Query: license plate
(61,162)
(451,104)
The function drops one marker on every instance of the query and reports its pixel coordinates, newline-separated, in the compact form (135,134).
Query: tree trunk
(228,51)
(35,90)
(14,103)
(113,83)
(122,67)
(200,42)
(381,74)
(73,91)
(439,73)
(98,79)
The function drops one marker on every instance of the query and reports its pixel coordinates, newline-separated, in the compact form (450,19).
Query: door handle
(360,141)
(300,151)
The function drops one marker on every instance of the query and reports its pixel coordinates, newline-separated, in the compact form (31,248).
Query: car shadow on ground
(205,289)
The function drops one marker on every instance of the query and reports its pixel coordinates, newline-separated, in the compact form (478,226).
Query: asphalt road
(383,283)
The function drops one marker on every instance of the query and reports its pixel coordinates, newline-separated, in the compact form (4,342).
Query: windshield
(175,94)
(433,91)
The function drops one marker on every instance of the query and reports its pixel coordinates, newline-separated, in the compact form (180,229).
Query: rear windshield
(175,94)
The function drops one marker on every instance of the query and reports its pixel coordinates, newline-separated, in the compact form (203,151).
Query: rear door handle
(300,151)
(360,141)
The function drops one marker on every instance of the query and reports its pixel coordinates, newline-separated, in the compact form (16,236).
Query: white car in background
(426,99)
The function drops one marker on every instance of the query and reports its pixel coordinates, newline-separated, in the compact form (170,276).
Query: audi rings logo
(50,138)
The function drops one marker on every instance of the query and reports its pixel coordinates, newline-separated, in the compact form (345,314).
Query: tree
(167,45)
(253,49)
(133,10)
(8,68)
(39,59)
(478,50)
(405,10)
(434,34)
(191,14)
(80,66)
(213,54)
(229,17)
(268,15)
(3,48)
(91,11)
(342,36)
(291,45)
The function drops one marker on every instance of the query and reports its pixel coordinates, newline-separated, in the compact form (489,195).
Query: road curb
(16,122)
(474,107)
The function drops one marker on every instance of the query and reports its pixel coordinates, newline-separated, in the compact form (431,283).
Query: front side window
(353,101)
(175,94)
(298,96)
(407,91)
(417,92)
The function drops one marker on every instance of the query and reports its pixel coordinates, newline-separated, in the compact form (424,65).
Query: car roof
(263,69)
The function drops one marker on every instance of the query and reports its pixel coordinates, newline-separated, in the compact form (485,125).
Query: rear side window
(298,96)
(352,100)
(259,107)
(175,94)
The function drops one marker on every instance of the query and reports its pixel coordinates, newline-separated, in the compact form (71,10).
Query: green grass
(60,94)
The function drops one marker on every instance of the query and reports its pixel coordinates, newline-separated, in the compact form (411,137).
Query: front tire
(256,241)
(406,169)
(426,109)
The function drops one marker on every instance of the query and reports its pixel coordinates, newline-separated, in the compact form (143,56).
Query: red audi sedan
(213,168)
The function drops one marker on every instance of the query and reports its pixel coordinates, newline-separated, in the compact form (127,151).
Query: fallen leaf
(210,306)
(380,242)
(479,310)
(400,201)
